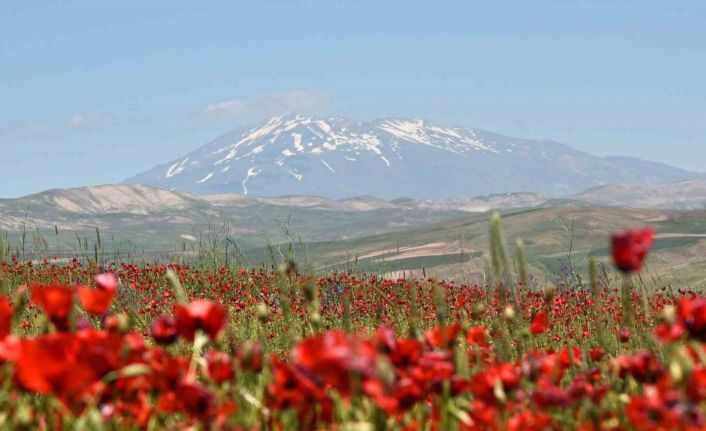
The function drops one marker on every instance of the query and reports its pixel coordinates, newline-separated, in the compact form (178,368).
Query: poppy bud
(509,313)
(116,323)
(250,357)
(624,335)
(263,313)
(288,268)
(309,292)
(669,314)
(477,311)
(24,416)
(315,318)
(676,372)
(549,291)
(385,371)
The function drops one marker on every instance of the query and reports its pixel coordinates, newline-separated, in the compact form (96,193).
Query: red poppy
(407,352)
(659,409)
(294,387)
(93,300)
(696,385)
(596,354)
(56,301)
(643,366)
(630,248)
(529,421)
(5,317)
(668,333)
(539,323)
(476,336)
(219,366)
(163,330)
(692,315)
(44,362)
(485,383)
(549,395)
(201,314)
(442,336)
(196,399)
(67,365)
(97,301)
(335,358)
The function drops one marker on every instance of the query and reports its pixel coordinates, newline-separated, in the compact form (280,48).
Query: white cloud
(79,120)
(83,120)
(268,105)
(32,126)
(225,110)
(27,126)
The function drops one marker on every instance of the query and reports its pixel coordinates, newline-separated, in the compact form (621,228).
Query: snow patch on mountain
(176,168)
(206,178)
(251,173)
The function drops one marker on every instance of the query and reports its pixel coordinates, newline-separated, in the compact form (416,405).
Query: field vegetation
(201,342)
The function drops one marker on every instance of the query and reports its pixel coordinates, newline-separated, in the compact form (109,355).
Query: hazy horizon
(95,93)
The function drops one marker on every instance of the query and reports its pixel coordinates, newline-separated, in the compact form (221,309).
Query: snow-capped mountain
(338,158)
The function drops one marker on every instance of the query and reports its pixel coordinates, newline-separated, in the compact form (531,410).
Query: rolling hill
(443,237)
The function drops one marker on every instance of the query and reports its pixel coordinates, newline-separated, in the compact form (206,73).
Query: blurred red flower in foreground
(56,301)
(630,248)
(97,301)
(204,315)
(67,365)
(5,317)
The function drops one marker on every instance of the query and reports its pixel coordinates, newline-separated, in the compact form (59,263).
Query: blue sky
(93,92)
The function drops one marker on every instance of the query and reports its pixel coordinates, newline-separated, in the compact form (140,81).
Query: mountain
(390,158)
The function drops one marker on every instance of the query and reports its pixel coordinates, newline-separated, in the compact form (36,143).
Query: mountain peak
(336,157)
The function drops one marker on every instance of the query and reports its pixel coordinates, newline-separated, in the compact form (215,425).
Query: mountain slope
(687,195)
(390,158)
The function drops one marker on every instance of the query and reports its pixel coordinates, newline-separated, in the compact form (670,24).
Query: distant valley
(448,236)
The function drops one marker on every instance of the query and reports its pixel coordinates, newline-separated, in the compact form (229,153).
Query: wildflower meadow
(175,345)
